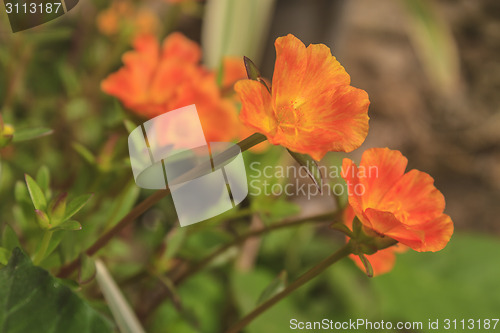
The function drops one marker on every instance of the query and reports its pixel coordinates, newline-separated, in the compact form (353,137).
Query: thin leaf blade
(43,178)
(275,287)
(310,166)
(70,225)
(36,193)
(75,205)
(31,133)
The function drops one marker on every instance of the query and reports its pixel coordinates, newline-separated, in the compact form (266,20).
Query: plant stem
(44,245)
(191,270)
(330,216)
(309,275)
(147,203)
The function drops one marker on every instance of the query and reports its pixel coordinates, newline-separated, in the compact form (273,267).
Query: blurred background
(432,71)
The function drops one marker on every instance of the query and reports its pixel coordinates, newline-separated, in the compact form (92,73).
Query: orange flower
(108,22)
(312,108)
(233,69)
(381,261)
(124,16)
(154,81)
(403,206)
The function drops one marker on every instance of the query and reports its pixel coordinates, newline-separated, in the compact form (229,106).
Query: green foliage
(459,282)
(75,205)
(36,194)
(30,134)
(57,214)
(31,300)
(273,210)
(276,286)
(9,238)
(84,152)
(43,180)
(202,300)
(4,256)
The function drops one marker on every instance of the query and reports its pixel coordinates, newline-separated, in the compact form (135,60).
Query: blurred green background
(432,71)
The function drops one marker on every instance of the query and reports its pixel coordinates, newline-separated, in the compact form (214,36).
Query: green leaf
(246,286)
(42,219)
(20,217)
(174,242)
(57,208)
(43,178)
(275,287)
(5,140)
(311,167)
(36,194)
(50,36)
(75,205)
(84,152)
(129,125)
(273,210)
(56,238)
(123,204)
(31,292)
(253,72)
(21,193)
(30,134)
(68,225)
(4,256)
(87,270)
(9,238)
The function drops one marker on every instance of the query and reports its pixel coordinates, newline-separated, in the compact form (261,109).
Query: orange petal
(301,73)
(173,78)
(414,199)
(107,22)
(233,69)
(383,260)
(385,223)
(350,174)
(348,216)
(178,46)
(380,169)
(334,121)
(323,72)
(256,111)
(289,69)
(146,22)
(437,233)
(130,84)
(219,120)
